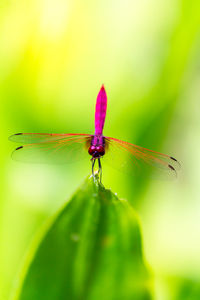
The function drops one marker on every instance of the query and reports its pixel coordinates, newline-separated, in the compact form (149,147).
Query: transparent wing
(51,148)
(31,138)
(137,160)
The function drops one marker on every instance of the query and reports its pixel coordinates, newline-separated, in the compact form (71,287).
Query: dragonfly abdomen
(100,112)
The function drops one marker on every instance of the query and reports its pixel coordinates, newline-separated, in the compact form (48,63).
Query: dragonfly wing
(31,138)
(51,148)
(140,161)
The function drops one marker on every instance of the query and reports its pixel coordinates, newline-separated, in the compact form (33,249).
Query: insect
(68,147)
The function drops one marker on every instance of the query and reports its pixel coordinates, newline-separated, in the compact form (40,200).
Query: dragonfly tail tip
(102,87)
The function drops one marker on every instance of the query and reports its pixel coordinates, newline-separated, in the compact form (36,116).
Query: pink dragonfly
(67,147)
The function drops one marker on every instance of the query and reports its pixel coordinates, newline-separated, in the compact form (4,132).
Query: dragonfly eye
(91,150)
(100,150)
(96,151)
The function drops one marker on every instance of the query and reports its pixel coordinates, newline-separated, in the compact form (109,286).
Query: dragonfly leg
(93,163)
(100,169)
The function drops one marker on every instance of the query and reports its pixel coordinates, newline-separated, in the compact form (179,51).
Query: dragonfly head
(96,151)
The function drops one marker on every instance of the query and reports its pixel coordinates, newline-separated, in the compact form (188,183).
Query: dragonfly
(68,147)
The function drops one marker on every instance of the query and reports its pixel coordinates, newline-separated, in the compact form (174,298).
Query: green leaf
(92,250)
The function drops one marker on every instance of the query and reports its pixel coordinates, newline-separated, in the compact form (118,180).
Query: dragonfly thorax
(96,151)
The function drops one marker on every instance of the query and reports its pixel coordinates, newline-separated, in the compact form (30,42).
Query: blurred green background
(54,56)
